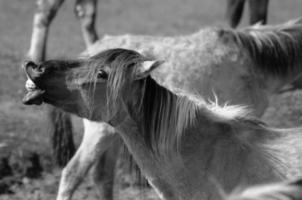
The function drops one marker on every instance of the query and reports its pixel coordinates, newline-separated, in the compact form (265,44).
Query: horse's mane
(164,115)
(276,50)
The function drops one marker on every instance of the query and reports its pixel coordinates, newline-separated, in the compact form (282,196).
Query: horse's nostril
(29,65)
(40,69)
(32,70)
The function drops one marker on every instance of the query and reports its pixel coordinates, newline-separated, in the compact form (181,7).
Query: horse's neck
(147,161)
(210,151)
(230,152)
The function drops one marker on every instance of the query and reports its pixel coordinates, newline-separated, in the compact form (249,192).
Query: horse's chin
(34,97)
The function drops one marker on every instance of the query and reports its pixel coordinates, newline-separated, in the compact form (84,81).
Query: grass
(25,128)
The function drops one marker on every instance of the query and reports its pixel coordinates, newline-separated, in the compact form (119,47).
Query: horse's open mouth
(34,94)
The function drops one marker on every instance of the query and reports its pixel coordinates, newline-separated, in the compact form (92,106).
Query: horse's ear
(147,67)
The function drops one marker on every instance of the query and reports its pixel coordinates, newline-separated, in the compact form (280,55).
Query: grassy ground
(25,128)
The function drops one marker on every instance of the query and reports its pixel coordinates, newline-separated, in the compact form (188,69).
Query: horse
(85,11)
(211,51)
(179,140)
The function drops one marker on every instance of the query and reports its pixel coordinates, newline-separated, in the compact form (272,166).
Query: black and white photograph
(150,100)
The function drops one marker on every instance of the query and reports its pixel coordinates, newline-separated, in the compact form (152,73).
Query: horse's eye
(102,74)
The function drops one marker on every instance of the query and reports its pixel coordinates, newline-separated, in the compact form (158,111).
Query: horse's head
(70,85)
(127,74)
(83,86)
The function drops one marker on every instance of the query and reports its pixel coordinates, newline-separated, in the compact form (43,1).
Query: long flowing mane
(164,115)
(275,49)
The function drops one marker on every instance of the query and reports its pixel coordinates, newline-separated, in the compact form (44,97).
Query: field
(24,128)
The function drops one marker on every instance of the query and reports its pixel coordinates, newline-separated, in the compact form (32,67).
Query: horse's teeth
(30,85)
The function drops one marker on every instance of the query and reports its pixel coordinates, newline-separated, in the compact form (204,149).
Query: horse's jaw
(34,93)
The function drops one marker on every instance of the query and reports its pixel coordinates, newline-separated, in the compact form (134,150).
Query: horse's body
(85,11)
(182,142)
(179,141)
(224,52)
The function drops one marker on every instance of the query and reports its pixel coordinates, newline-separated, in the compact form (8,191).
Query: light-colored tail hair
(289,190)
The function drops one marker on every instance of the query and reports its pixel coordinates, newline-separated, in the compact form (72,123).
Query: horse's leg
(46,11)
(103,172)
(98,137)
(85,11)
(234,12)
(258,11)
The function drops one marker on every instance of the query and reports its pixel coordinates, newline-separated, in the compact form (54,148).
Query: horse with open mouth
(258,61)
(179,140)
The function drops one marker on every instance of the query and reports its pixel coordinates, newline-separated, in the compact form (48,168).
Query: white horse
(255,60)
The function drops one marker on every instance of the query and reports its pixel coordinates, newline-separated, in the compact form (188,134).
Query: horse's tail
(290,190)
(275,49)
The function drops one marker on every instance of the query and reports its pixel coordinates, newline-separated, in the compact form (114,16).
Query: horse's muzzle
(34,93)
(32,70)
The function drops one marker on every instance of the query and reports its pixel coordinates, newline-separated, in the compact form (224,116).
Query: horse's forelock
(116,60)
(122,65)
